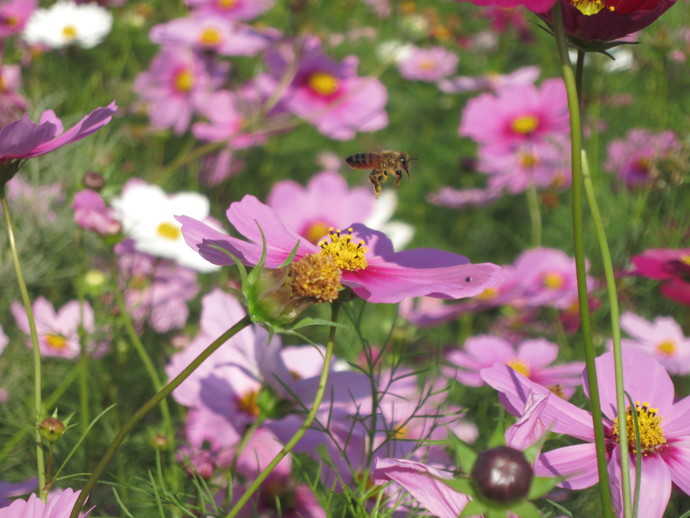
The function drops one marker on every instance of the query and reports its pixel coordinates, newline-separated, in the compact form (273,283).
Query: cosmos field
(344,259)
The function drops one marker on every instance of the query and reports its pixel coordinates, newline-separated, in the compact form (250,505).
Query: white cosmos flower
(147,215)
(67,23)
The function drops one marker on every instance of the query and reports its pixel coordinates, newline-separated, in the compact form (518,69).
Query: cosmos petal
(576,463)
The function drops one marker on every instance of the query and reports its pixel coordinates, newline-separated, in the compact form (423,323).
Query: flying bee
(381,165)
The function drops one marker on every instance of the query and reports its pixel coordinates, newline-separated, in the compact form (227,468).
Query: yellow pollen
(3,87)
(685,259)
(323,83)
(666,348)
(247,403)
(401,432)
(588,7)
(315,277)
(347,255)
(518,365)
(56,341)
(557,390)
(427,64)
(528,160)
(553,280)
(210,37)
(227,4)
(524,124)
(169,231)
(316,231)
(11,21)
(651,432)
(184,80)
(69,32)
(488,294)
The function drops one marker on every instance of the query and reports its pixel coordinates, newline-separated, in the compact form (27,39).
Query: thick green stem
(578,243)
(616,334)
(38,406)
(147,407)
(534,214)
(287,448)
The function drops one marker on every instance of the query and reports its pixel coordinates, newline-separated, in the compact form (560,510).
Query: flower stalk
(578,242)
(26,300)
(147,407)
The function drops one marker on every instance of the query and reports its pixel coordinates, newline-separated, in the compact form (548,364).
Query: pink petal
(577,463)
(677,420)
(677,458)
(537,353)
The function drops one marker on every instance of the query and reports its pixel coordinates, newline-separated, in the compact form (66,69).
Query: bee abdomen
(363,160)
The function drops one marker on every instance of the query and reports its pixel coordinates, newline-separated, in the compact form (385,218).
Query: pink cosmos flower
(382,276)
(302,209)
(13,16)
(58,332)
(91,213)
(37,203)
(491,82)
(663,338)
(637,158)
(462,198)
(530,358)
(210,32)
(231,9)
(669,265)
(664,429)
(58,505)
(428,64)
(328,94)
(177,85)
(26,139)
(12,103)
(524,113)
(538,6)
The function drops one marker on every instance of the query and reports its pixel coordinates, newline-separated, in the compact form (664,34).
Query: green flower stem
(578,243)
(534,214)
(616,334)
(147,407)
(287,448)
(38,405)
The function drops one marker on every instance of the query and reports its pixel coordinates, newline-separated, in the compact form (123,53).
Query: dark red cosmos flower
(601,21)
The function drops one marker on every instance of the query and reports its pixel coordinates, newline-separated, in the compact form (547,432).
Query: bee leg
(376,177)
(398,178)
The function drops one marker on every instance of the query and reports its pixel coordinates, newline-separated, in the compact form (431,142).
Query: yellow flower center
(69,32)
(557,390)
(553,280)
(56,341)
(427,64)
(169,231)
(590,7)
(316,231)
(11,21)
(210,37)
(649,422)
(247,403)
(401,432)
(347,255)
(488,294)
(184,80)
(315,277)
(518,365)
(685,259)
(323,83)
(525,124)
(227,4)
(528,160)
(666,348)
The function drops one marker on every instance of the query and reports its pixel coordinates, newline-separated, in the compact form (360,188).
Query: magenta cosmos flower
(530,358)
(328,94)
(524,113)
(58,505)
(14,15)
(538,6)
(366,258)
(231,9)
(664,428)
(668,265)
(428,64)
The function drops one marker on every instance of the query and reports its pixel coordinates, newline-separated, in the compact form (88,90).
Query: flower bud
(51,429)
(502,475)
(92,180)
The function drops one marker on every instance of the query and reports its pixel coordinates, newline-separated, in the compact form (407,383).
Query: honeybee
(381,165)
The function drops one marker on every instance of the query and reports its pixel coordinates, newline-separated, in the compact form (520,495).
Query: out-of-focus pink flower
(9,490)
(538,6)
(155,290)
(177,84)
(462,198)
(531,358)
(210,32)
(378,274)
(38,202)
(663,338)
(491,82)
(328,94)
(664,429)
(13,16)
(231,9)
(58,332)
(669,265)
(518,115)
(639,157)
(12,104)
(91,213)
(59,504)
(428,64)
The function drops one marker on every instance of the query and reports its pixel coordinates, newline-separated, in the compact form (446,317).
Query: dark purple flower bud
(502,475)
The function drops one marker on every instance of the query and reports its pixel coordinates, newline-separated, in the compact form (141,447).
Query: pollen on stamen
(315,277)
(649,422)
(518,365)
(347,255)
